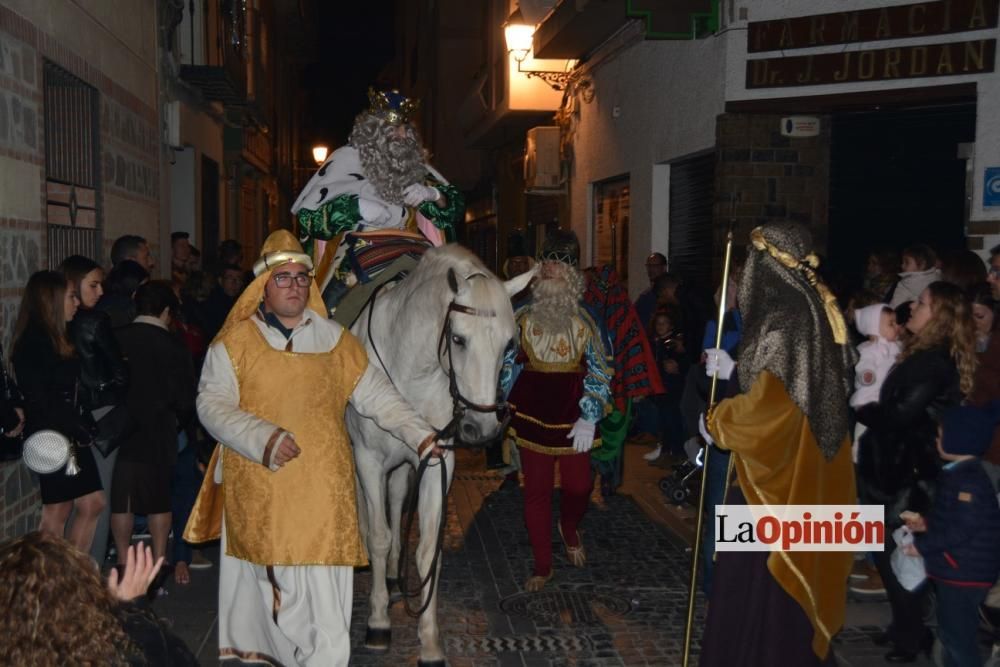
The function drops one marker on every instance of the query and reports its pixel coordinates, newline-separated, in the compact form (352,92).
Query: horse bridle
(460,404)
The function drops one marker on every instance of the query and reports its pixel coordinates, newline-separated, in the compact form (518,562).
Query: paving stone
(626,608)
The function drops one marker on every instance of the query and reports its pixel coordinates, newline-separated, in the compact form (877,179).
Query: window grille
(72,166)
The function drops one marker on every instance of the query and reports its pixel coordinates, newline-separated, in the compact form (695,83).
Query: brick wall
(129,142)
(762,176)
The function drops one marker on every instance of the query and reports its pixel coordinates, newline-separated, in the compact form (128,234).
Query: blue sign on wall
(991,187)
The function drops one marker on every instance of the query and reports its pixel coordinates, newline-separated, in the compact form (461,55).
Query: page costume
(290,534)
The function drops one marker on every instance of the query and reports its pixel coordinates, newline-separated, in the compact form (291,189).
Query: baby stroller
(683,485)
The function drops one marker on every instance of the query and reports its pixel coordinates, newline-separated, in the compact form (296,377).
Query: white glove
(719,361)
(418,193)
(704,430)
(373,213)
(582,435)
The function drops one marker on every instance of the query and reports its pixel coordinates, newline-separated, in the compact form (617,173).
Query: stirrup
(537,582)
(576,555)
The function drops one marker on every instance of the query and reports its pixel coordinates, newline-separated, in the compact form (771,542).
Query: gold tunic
(305,513)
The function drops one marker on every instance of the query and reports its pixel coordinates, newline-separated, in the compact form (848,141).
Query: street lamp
(519,35)
(319,153)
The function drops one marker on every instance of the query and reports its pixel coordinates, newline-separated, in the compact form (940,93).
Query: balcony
(576,27)
(224,79)
(216,84)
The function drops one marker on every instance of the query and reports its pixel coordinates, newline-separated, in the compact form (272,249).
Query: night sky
(356,41)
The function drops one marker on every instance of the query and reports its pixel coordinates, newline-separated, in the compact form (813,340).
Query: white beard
(556,300)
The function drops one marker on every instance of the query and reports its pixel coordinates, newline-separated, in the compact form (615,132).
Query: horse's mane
(424,294)
(437,261)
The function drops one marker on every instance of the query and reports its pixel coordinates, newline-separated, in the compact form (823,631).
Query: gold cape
(778,462)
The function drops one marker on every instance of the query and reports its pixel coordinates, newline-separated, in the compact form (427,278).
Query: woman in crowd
(103,372)
(85,621)
(47,370)
(897,458)
(983,314)
(986,385)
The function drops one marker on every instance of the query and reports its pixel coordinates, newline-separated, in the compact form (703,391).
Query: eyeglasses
(995,272)
(284,280)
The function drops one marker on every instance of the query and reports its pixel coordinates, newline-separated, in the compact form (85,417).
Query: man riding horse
(379,182)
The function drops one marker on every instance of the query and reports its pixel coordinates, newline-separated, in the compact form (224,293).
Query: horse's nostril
(470,433)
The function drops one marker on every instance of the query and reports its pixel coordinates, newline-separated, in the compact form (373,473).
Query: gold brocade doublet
(305,513)
(561,350)
(546,397)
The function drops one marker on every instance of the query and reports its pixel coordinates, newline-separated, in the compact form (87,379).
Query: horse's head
(479,327)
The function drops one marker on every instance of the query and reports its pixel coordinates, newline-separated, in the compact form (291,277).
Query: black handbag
(113,428)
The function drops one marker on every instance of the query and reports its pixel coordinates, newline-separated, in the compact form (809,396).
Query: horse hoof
(377,639)
(431,663)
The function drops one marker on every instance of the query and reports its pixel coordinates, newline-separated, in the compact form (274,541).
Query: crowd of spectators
(110,359)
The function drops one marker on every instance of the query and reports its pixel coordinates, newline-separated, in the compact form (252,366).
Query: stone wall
(116,55)
(762,176)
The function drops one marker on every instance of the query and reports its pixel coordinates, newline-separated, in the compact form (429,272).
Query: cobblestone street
(627,607)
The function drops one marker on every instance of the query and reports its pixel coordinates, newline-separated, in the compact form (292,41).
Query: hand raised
(140,570)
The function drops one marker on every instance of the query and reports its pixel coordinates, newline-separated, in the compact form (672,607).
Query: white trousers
(313,613)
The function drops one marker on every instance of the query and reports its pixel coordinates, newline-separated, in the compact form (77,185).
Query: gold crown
(392,105)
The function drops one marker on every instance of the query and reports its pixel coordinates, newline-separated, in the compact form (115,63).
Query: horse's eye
(458,340)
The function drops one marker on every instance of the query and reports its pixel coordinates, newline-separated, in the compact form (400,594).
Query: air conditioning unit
(542,166)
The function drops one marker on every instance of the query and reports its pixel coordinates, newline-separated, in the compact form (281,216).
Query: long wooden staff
(696,551)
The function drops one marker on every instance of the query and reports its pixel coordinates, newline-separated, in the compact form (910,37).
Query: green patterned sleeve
(446,218)
(335,216)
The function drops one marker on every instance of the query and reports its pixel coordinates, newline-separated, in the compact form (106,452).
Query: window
(72,166)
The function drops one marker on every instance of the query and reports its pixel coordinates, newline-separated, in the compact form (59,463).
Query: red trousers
(576,482)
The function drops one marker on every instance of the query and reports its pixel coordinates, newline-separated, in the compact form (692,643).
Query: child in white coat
(877,357)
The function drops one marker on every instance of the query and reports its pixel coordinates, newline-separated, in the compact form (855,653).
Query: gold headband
(807,266)
(273,259)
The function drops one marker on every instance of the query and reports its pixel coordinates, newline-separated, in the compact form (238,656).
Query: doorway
(896,179)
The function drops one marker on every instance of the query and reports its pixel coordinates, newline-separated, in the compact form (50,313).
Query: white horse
(449,313)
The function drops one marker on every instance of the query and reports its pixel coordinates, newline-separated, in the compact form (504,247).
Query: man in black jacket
(161,399)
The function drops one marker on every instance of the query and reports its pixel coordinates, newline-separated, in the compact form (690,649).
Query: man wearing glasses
(273,392)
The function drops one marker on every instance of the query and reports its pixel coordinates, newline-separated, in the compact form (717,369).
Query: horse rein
(459,406)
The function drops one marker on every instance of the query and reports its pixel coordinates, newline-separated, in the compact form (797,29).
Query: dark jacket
(214,311)
(119,307)
(10,398)
(48,383)
(986,387)
(962,542)
(897,458)
(103,373)
(669,348)
(156,644)
(161,392)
